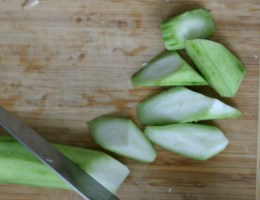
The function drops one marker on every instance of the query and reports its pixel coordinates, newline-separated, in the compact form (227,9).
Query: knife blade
(80,181)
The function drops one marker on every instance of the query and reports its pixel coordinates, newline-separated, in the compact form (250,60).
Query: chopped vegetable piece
(223,71)
(167,69)
(180,105)
(189,25)
(123,137)
(19,166)
(31,3)
(196,141)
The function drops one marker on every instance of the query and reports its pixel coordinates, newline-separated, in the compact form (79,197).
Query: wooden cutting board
(63,63)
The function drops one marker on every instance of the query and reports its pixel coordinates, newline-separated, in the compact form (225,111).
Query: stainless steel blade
(78,179)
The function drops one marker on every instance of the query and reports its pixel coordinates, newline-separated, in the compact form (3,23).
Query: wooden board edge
(258,142)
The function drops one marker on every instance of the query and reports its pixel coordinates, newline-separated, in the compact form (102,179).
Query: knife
(80,181)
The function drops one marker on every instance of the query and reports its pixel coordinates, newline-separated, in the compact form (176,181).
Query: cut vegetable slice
(31,3)
(123,137)
(196,141)
(189,25)
(223,71)
(19,166)
(167,69)
(180,104)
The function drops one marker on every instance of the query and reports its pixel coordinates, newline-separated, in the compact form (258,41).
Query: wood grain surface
(63,63)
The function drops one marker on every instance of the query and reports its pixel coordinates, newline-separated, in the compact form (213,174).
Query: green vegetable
(223,71)
(189,25)
(167,69)
(180,104)
(199,142)
(19,166)
(123,137)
